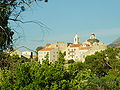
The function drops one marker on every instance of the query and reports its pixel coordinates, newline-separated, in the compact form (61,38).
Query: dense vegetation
(100,71)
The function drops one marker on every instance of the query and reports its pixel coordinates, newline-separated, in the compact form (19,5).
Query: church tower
(76,39)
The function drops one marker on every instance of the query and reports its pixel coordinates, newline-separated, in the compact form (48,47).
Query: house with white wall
(27,54)
(52,54)
(78,51)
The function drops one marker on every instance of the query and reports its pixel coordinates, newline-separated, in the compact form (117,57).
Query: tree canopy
(11,10)
(94,74)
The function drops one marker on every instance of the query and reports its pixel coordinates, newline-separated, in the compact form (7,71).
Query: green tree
(32,75)
(61,58)
(9,62)
(10,10)
(109,82)
(74,68)
(55,76)
(96,65)
(71,61)
(107,66)
(81,80)
(46,61)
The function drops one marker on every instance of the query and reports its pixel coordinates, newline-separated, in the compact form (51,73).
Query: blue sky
(65,18)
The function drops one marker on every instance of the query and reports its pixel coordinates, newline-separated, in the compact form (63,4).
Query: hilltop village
(59,66)
(73,51)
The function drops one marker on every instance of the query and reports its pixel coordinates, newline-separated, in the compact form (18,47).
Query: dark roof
(93,40)
(93,34)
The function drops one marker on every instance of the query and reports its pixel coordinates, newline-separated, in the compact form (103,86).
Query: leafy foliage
(9,62)
(71,61)
(61,59)
(94,74)
(10,10)
(101,62)
(46,61)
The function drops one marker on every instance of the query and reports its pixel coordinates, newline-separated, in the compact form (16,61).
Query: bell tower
(76,39)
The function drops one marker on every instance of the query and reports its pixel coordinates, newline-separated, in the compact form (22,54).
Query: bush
(71,61)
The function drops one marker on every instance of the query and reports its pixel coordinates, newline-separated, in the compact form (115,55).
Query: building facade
(27,54)
(60,46)
(78,52)
(52,54)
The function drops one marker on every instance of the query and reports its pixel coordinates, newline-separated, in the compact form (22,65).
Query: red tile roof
(84,48)
(118,47)
(48,44)
(75,45)
(46,49)
(85,44)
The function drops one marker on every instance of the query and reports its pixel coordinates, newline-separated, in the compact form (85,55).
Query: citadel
(73,51)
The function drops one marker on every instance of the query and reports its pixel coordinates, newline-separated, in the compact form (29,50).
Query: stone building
(78,51)
(27,54)
(52,54)
(60,46)
(52,49)
(95,44)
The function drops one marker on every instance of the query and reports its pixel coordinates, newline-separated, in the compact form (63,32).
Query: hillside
(115,43)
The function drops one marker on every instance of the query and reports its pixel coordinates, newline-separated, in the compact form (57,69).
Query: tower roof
(85,48)
(92,34)
(75,45)
(92,39)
